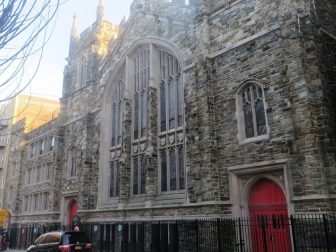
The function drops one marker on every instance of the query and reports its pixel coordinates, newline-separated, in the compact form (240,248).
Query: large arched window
(251,106)
(151,155)
(72,166)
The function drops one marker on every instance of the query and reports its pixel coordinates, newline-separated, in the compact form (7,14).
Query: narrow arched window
(116,142)
(141,74)
(72,166)
(117,107)
(82,72)
(171,118)
(252,119)
(141,83)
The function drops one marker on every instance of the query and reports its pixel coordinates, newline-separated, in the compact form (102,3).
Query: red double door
(73,208)
(269,218)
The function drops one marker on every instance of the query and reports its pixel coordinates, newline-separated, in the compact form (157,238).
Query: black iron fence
(271,233)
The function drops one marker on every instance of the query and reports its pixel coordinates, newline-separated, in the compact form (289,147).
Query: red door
(269,218)
(73,208)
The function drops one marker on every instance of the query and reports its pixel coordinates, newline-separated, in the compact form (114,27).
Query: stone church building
(189,109)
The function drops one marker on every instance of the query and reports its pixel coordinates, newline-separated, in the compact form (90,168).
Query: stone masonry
(288,48)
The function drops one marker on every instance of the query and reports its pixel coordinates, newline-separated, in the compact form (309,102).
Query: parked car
(61,241)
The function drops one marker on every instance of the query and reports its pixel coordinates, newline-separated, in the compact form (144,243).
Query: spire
(74,28)
(100,11)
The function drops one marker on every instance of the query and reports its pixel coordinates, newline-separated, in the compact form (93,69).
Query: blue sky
(48,82)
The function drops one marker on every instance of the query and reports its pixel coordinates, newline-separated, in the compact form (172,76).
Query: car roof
(63,232)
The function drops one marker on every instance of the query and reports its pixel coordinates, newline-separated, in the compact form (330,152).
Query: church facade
(193,109)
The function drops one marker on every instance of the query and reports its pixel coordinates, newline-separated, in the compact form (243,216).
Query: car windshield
(75,238)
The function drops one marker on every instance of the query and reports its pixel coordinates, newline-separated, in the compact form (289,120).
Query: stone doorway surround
(243,177)
(66,203)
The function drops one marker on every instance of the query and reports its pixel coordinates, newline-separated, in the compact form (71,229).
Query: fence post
(196,230)
(241,241)
(325,224)
(292,224)
(219,235)
(177,236)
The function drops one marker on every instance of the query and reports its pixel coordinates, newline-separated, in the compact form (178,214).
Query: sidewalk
(14,250)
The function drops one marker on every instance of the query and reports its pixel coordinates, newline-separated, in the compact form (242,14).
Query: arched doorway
(73,208)
(269,218)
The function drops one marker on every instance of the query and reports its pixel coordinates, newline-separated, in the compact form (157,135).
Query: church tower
(86,50)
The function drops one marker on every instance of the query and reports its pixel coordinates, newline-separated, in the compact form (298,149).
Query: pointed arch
(82,72)
(251,112)
(72,161)
(269,216)
(152,71)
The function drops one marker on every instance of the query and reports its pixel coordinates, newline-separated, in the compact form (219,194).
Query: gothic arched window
(171,97)
(82,72)
(72,166)
(145,150)
(252,121)
(117,117)
(141,73)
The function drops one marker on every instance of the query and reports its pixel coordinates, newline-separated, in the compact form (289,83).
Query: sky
(48,81)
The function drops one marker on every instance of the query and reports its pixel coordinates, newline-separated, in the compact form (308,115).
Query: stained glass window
(253,110)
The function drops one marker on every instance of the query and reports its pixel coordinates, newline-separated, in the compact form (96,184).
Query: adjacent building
(18,117)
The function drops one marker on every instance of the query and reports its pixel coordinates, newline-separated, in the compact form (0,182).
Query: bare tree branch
(23,34)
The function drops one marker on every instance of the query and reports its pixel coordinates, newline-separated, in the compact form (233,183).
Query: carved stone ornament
(171,139)
(163,141)
(118,153)
(112,154)
(244,181)
(180,137)
(143,147)
(135,148)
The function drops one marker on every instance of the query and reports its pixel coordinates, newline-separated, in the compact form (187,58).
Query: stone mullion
(125,161)
(151,154)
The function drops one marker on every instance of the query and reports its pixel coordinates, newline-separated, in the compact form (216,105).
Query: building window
(171,118)
(117,108)
(35,200)
(26,203)
(82,72)
(32,150)
(48,171)
(72,162)
(41,145)
(114,184)
(28,179)
(45,200)
(116,134)
(154,83)
(171,93)
(139,175)
(38,174)
(141,75)
(251,106)
(10,194)
(141,70)
(51,142)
